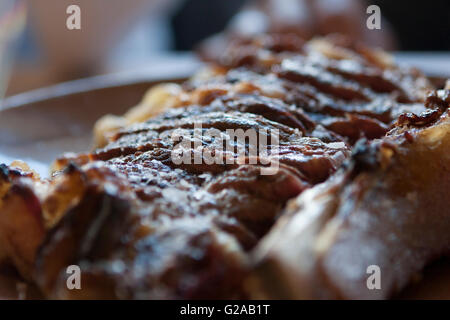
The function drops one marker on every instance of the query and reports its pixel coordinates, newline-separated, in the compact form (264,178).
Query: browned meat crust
(343,86)
(143,226)
(222,209)
(389,208)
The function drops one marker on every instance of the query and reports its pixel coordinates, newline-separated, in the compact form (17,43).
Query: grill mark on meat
(322,108)
(218,120)
(324,81)
(295,150)
(355,80)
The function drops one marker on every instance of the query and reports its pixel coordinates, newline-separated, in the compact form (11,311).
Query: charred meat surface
(172,203)
(343,86)
(387,212)
(188,225)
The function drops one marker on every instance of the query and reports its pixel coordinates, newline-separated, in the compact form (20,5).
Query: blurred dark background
(418,25)
(119,35)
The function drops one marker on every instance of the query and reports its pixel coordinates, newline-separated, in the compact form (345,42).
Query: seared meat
(166,208)
(187,226)
(345,87)
(389,209)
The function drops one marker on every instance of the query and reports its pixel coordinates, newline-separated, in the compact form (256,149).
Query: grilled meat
(197,217)
(387,209)
(142,225)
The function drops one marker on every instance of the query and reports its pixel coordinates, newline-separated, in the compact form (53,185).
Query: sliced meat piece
(388,209)
(172,229)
